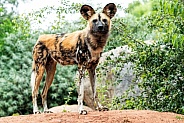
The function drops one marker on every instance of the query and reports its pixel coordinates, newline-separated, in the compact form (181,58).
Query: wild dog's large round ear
(110,10)
(87,11)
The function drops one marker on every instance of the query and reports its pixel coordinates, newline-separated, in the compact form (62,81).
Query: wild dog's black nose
(100,27)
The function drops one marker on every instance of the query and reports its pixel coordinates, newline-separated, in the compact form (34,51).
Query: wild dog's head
(99,23)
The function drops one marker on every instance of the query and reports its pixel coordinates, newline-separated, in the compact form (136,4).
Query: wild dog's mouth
(100,30)
(103,30)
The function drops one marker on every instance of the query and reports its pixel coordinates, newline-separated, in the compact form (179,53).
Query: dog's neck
(96,41)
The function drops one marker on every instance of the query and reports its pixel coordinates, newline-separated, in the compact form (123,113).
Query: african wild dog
(82,48)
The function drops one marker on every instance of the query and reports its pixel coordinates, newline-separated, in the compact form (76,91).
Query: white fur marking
(45,108)
(81,95)
(33,77)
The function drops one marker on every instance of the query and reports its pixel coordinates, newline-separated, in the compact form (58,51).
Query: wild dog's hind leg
(81,71)
(38,67)
(36,78)
(50,70)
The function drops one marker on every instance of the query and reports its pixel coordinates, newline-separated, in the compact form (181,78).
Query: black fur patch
(83,54)
(99,17)
(41,53)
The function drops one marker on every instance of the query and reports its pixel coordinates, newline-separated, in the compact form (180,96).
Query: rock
(115,53)
(67,108)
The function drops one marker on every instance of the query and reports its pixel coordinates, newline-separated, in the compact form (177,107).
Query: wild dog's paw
(47,111)
(103,108)
(83,112)
(37,112)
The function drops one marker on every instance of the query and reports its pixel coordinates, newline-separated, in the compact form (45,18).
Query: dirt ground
(115,116)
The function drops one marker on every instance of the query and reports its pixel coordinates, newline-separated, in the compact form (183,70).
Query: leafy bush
(14,78)
(159,67)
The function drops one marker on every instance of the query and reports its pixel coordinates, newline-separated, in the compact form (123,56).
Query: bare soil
(114,116)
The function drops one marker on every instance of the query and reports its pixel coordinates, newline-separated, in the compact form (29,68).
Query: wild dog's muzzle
(99,27)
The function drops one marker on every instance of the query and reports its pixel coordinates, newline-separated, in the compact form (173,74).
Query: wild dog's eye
(104,20)
(95,20)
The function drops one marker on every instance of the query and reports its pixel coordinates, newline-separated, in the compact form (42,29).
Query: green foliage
(5,27)
(6,17)
(139,9)
(120,33)
(160,71)
(14,82)
(159,67)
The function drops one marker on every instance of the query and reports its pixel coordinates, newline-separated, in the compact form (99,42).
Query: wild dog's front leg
(92,76)
(81,91)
